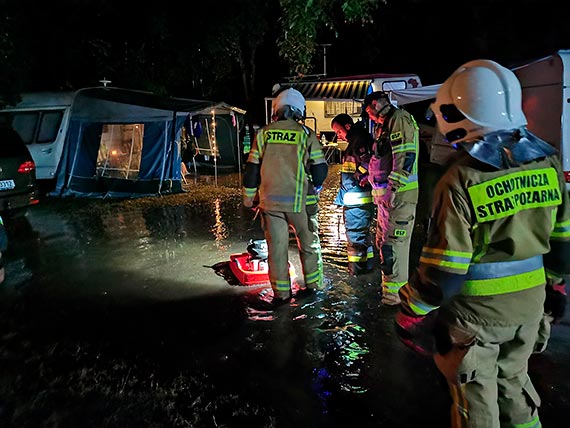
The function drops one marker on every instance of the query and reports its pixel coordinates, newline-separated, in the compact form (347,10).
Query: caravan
(104,141)
(545,84)
(42,120)
(326,98)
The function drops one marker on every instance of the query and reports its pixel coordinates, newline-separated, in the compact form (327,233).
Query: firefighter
(354,194)
(285,156)
(393,174)
(500,220)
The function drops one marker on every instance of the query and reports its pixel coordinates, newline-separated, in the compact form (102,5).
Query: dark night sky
(430,38)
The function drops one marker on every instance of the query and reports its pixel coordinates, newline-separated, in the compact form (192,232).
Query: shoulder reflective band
(509,194)
(488,279)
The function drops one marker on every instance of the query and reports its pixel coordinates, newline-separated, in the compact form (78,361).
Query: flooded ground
(112,315)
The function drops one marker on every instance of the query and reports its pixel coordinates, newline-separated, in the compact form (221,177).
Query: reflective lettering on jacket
(507,195)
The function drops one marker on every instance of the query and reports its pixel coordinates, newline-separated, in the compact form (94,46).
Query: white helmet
(480,97)
(292,98)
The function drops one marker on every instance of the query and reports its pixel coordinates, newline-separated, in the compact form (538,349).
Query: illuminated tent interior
(123,143)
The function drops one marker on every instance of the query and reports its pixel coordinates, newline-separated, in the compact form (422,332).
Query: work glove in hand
(416,332)
(555,302)
(378,195)
(248,201)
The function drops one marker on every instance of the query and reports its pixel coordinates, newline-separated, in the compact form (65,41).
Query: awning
(346,89)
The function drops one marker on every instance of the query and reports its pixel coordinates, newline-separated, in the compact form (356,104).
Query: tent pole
(238,148)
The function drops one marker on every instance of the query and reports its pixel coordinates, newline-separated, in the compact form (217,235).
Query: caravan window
(120,151)
(394,85)
(36,126)
(49,126)
(332,108)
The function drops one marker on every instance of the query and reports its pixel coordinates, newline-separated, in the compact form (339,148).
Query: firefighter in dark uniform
(500,221)
(285,156)
(393,173)
(354,193)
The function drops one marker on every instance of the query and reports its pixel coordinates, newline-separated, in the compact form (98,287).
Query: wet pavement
(116,314)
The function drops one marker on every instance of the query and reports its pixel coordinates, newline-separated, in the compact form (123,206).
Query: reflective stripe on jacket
(285,150)
(395,161)
(491,230)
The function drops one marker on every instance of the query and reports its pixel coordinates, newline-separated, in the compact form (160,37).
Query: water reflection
(322,354)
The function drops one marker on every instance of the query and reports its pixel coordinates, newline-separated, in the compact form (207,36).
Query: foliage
(301,19)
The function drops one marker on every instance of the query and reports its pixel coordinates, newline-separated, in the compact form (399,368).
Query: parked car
(18,186)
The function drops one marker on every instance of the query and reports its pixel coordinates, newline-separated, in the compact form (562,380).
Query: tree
(301,19)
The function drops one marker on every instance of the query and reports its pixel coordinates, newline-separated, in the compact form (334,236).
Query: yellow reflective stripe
(357,198)
(283,285)
(362,169)
(412,299)
(349,167)
(316,155)
(509,194)
(392,287)
(357,258)
(313,277)
(409,186)
(534,423)
(561,230)
(408,147)
(505,284)
(301,175)
(312,199)
(249,191)
(459,260)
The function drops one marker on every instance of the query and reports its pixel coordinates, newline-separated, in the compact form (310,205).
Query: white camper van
(545,86)
(546,101)
(42,119)
(326,98)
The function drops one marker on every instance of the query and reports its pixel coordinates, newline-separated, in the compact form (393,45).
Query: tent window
(332,108)
(120,151)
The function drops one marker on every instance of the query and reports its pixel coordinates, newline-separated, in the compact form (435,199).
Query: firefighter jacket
(498,222)
(354,186)
(394,164)
(283,156)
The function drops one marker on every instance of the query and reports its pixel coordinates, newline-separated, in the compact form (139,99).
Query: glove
(247,202)
(416,332)
(555,302)
(389,197)
(378,195)
(384,196)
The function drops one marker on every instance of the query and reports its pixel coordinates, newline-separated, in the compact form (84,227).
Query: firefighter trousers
(395,225)
(492,388)
(313,217)
(276,229)
(357,221)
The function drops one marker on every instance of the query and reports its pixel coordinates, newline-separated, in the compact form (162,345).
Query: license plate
(7,184)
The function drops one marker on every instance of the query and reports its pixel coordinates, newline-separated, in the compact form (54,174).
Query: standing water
(114,315)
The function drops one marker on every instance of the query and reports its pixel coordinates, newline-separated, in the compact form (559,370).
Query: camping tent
(214,137)
(123,143)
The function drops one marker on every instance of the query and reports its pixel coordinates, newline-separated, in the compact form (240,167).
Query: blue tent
(123,143)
